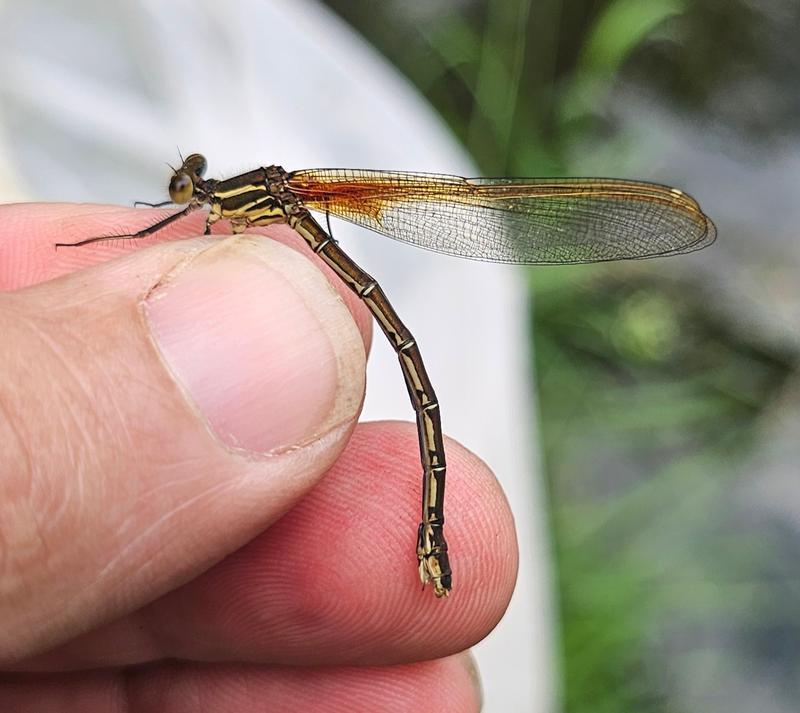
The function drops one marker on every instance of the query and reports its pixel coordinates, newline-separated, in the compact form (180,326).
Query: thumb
(157,412)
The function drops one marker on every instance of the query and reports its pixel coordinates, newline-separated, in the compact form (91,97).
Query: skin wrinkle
(119,411)
(164,485)
(122,554)
(15,555)
(21,448)
(66,377)
(107,573)
(18,566)
(123,435)
(162,646)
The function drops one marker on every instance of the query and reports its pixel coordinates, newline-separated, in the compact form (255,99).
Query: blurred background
(660,515)
(668,392)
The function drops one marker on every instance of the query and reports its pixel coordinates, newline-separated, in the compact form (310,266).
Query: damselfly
(521,221)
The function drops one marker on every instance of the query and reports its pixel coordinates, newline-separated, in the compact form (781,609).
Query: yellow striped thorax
(256,197)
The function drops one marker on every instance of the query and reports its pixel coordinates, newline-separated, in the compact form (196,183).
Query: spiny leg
(161,204)
(434,564)
(132,236)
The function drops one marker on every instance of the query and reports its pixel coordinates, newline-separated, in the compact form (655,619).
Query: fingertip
(335,580)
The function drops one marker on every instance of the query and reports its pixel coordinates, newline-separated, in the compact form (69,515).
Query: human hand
(190,518)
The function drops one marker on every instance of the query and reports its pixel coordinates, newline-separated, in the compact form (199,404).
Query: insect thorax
(258,197)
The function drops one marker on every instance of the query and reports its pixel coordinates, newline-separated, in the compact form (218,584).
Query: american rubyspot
(512,220)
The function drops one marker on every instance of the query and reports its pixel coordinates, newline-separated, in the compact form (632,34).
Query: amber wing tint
(512,220)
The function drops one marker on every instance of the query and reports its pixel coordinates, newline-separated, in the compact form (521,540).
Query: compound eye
(196,164)
(181,188)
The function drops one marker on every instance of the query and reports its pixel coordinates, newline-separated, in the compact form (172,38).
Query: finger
(448,686)
(335,581)
(29,233)
(158,411)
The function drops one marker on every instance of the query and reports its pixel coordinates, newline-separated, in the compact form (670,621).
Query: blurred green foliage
(649,404)
(650,399)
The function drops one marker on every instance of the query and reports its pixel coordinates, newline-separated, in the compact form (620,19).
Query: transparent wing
(512,220)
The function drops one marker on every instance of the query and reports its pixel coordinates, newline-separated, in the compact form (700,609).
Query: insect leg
(136,204)
(132,236)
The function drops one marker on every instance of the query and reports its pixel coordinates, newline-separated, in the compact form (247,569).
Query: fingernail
(474,675)
(259,342)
